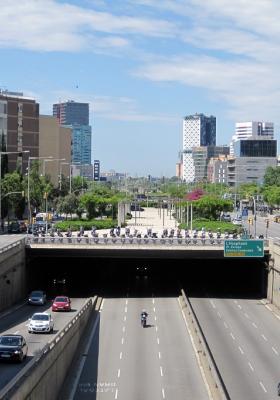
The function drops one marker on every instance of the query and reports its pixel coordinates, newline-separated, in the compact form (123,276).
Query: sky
(143,65)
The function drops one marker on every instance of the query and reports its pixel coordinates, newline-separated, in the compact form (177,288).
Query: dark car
(37,297)
(13,348)
(136,207)
(17,227)
(61,303)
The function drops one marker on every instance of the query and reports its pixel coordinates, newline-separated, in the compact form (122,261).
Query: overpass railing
(126,241)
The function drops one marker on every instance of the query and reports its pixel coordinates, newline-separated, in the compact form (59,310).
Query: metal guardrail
(26,370)
(121,241)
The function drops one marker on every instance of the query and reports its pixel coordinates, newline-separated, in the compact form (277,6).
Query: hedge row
(87,225)
(214,226)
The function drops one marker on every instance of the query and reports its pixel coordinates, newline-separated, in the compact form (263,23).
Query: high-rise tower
(76,116)
(198,130)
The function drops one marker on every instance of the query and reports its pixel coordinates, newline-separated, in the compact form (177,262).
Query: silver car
(41,322)
(37,297)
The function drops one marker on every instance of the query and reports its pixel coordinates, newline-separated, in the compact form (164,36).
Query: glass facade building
(76,116)
(256,148)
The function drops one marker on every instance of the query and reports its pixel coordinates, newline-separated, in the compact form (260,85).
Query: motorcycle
(144,320)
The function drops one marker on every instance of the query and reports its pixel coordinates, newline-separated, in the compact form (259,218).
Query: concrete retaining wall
(273,284)
(12,274)
(43,376)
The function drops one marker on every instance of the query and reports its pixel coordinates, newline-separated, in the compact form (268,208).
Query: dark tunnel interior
(121,277)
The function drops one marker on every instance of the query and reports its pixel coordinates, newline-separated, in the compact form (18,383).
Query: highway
(244,336)
(126,361)
(16,322)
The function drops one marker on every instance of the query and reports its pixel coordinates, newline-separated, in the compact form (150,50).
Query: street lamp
(28,182)
(5,153)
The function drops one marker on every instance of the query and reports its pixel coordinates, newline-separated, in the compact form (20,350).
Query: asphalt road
(126,361)
(16,322)
(244,338)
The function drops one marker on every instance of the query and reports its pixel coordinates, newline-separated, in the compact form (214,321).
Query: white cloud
(46,25)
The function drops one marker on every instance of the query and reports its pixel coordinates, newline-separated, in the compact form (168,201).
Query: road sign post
(243,248)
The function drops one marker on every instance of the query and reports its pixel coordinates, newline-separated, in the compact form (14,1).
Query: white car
(41,322)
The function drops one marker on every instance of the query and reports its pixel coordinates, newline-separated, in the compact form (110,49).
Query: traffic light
(251,220)
(267,222)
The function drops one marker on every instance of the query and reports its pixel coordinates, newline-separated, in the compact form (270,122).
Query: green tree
(68,204)
(210,207)
(12,194)
(272,195)
(272,176)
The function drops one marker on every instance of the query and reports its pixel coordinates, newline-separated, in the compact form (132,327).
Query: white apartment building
(198,130)
(252,129)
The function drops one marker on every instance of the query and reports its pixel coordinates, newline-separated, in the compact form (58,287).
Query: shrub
(87,225)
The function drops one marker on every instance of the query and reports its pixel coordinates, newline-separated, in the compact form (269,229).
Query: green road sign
(243,248)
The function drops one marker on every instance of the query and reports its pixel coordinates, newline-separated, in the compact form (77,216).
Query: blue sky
(143,65)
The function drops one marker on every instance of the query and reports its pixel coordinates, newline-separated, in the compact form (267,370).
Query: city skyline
(143,68)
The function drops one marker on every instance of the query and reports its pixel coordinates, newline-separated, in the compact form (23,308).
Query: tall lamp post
(28,182)
(5,153)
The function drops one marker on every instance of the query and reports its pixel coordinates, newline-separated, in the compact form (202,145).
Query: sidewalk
(152,218)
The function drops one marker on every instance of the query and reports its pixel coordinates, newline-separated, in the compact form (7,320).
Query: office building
(55,141)
(198,130)
(76,116)
(252,129)
(201,156)
(96,170)
(217,169)
(72,113)
(19,129)
(250,160)
(81,144)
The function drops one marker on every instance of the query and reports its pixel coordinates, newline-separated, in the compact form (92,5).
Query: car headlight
(17,351)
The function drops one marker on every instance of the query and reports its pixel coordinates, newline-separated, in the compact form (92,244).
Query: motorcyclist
(144,316)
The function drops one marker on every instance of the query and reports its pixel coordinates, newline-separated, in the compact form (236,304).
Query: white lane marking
(263,387)
(247,316)
(240,349)
(101,305)
(126,302)
(155,318)
(161,372)
(158,340)
(275,351)
(269,308)
(153,301)
(154,309)
(120,355)
(163,393)
(225,324)
(231,334)
(116,394)
(125,310)
(159,355)
(219,315)
(254,325)
(212,303)
(251,366)
(122,340)
(16,332)
(264,338)
(119,373)
(124,318)
(123,329)
(156,328)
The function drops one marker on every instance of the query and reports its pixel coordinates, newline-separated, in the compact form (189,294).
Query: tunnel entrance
(119,277)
